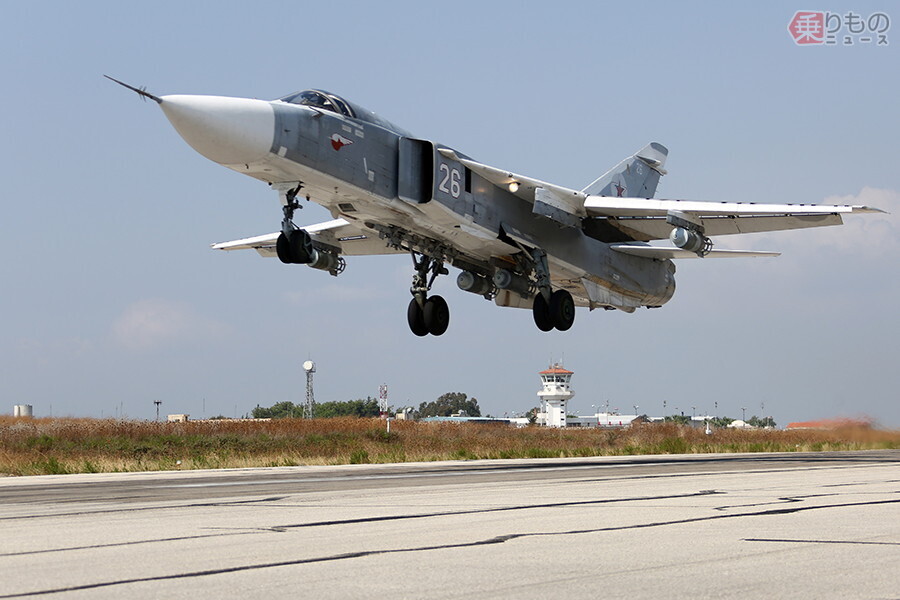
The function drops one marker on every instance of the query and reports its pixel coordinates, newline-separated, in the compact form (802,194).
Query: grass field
(56,446)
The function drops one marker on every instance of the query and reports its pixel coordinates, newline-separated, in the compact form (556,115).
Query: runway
(699,526)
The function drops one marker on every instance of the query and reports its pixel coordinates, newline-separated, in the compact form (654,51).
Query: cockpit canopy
(323,100)
(320,99)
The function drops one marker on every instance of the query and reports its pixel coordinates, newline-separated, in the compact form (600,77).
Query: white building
(554,396)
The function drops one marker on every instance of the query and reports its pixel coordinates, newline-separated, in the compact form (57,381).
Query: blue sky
(112,298)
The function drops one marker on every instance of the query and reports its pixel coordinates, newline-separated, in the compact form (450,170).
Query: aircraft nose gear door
(427,315)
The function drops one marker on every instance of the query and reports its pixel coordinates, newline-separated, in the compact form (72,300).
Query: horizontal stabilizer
(677,253)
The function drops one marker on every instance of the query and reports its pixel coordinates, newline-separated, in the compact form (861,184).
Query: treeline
(446,405)
(753,421)
(326,410)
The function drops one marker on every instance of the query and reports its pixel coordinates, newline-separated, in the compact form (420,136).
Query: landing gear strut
(294,246)
(427,315)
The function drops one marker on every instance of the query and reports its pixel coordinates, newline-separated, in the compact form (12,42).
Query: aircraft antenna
(141,91)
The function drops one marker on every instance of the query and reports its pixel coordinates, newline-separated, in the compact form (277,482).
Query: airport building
(555,393)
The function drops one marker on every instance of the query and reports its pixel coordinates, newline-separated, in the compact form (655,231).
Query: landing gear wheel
(301,247)
(436,315)
(295,248)
(562,309)
(283,249)
(541,311)
(416,319)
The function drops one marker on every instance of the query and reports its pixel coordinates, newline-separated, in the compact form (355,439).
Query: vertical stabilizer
(635,177)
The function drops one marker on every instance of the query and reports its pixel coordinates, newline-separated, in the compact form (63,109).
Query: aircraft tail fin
(637,176)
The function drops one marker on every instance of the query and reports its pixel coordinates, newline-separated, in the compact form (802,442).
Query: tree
(352,408)
(755,421)
(720,422)
(279,410)
(680,419)
(449,403)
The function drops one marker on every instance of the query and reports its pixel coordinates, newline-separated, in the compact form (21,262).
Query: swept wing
(645,218)
(340,234)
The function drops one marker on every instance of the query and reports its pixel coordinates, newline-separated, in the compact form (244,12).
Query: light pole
(744,414)
(635,408)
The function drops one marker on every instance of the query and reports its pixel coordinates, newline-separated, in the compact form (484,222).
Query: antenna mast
(382,399)
(309,409)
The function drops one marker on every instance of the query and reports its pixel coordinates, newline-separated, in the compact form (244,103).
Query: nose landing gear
(294,246)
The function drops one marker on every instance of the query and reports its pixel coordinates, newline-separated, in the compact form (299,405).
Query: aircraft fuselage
(359,171)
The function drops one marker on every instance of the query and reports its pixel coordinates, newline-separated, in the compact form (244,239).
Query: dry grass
(42,446)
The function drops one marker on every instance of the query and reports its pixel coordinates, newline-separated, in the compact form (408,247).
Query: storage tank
(23,410)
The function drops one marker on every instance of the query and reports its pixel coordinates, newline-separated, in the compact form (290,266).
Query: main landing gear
(427,315)
(530,276)
(550,309)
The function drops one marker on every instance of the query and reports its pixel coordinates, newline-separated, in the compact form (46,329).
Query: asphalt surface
(699,526)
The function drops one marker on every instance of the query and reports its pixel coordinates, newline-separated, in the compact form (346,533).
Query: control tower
(554,395)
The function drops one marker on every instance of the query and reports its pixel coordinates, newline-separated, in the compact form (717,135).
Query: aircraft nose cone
(229,131)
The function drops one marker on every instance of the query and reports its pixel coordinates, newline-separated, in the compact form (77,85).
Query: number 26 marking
(452,177)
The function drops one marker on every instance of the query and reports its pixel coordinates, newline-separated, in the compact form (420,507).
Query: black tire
(562,309)
(436,315)
(301,247)
(541,311)
(416,319)
(283,249)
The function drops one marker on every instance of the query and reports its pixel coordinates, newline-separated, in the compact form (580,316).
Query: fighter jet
(516,241)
